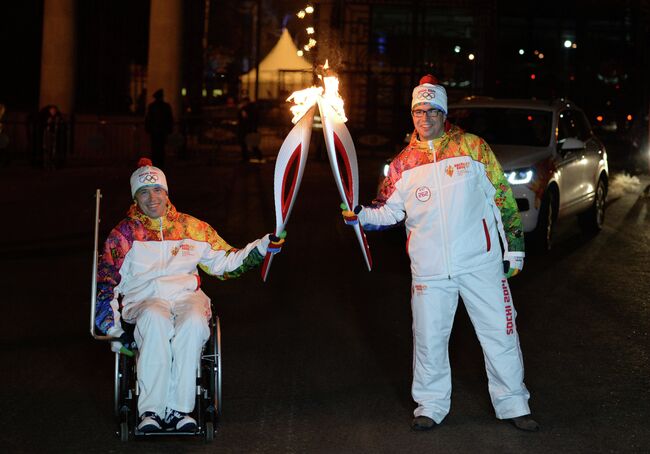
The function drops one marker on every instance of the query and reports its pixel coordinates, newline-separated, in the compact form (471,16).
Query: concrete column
(165,59)
(58,55)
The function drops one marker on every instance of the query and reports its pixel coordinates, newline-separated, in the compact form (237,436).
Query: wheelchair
(208,402)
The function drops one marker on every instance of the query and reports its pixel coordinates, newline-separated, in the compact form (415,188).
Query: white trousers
(488,301)
(170,336)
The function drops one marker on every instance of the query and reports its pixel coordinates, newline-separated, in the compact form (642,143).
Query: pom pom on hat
(429,79)
(144,162)
(430,92)
(146,175)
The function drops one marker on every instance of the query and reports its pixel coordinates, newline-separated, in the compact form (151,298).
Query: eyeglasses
(431,113)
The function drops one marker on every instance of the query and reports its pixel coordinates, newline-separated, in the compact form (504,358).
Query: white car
(556,166)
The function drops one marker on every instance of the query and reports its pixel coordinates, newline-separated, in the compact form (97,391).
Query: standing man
(450,191)
(147,276)
(249,137)
(159,123)
(53,136)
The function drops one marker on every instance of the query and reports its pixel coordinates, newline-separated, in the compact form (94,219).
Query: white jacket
(145,258)
(456,205)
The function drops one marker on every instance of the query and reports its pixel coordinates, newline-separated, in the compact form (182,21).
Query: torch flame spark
(304,99)
(333,97)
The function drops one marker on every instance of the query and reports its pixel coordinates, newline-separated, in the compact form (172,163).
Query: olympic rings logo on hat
(150,178)
(426,94)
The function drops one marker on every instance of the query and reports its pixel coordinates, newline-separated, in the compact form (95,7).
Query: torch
(342,154)
(289,168)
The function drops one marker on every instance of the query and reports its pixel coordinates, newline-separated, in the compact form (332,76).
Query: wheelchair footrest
(137,433)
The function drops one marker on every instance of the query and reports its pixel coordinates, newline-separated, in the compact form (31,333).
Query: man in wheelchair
(147,275)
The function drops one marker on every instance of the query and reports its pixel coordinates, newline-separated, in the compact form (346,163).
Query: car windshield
(505,126)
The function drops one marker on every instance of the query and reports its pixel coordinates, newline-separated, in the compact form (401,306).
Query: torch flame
(333,97)
(304,99)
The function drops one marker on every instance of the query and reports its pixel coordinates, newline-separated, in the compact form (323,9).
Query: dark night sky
(111,35)
(20,35)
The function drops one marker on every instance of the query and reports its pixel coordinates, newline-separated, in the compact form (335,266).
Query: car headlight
(519,176)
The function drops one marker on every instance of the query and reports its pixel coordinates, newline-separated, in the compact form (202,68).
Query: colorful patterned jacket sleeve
(226,262)
(108,277)
(503,197)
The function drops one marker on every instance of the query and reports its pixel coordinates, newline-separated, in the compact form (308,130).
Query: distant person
(148,276)
(159,123)
(52,136)
(141,103)
(249,137)
(4,139)
(449,190)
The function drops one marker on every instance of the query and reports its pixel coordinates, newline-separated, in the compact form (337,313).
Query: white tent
(282,72)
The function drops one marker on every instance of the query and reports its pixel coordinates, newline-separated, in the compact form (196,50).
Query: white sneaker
(179,422)
(149,422)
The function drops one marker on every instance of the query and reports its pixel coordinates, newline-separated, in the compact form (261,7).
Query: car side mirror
(570,144)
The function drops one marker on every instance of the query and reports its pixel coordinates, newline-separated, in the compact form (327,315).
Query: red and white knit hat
(147,175)
(430,92)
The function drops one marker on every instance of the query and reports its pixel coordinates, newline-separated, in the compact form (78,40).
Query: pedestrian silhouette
(249,137)
(159,123)
(52,136)
(4,139)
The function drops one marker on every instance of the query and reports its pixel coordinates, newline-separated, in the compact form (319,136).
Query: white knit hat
(430,92)
(147,175)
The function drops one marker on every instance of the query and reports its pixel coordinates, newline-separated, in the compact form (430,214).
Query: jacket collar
(453,133)
(153,223)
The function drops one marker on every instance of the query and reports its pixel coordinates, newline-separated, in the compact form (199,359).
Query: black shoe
(149,422)
(179,422)
(421,423)
(525,423)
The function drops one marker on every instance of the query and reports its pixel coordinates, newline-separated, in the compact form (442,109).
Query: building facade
(590,51)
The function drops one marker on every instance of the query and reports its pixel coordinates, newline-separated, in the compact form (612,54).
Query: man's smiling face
(152,201)
(429,122)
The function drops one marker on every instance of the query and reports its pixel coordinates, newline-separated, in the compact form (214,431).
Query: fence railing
(120,138)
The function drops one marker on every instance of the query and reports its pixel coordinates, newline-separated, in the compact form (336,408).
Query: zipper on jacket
(162,245)
(443,214)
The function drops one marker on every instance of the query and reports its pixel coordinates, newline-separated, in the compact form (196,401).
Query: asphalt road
(318,359)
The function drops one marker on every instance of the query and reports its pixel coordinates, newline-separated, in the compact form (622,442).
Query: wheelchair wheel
(117,396)
(210,405)
(215,378)
(124,431)
(209,431)
(122,384)
(124,395)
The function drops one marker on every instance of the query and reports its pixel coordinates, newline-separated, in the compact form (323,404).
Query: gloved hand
(513,263)
(124,344)
(350,217)
(275,245)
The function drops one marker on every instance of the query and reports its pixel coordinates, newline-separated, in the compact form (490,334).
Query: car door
(570,164)
(590,160)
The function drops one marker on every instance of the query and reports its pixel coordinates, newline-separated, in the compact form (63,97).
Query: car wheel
(543,233)
(592,220)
